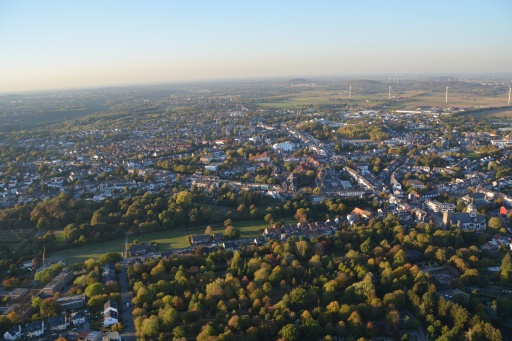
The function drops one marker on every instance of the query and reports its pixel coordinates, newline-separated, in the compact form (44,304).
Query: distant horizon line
(358,76)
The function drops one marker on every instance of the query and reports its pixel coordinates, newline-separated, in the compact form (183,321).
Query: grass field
(165,240)
(472,155)
(84,252)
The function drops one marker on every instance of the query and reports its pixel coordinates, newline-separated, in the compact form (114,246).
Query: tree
(495,224)
(94,289)
(268,218)
(301,215)
(299,299)
(110,257)
(150,327)
(208,230)
(184,198)
(231,232)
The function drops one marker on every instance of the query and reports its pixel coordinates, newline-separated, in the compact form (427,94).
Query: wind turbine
(509,91)
(349,91)
(446,100)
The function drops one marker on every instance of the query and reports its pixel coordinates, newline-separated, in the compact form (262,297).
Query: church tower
(446,219)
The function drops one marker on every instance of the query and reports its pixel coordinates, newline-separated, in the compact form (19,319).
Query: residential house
(437,206)
(14,333)
(477,198)
(78,318)
(414,184)
(110,313)
(57,323)
(362,213)
(200,239)
(141,249)
(35,329)
(218,237)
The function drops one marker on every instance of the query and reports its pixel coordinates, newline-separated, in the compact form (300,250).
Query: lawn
(165,240)
(472,155)
(84,252)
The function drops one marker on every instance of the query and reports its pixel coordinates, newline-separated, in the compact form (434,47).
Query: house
(477,198)
(200,239)
(362,213)
(110,313)
(141,249)
(414,184)
(57,323)
(259,241)
(14,333)
(218,237)
(35,329)
(503,211)
(108,275)
(270,232)
(437,206)
(78,318)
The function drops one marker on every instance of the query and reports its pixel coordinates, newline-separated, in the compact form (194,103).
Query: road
(126,298)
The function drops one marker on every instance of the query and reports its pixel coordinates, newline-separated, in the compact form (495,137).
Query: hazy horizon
(60,45)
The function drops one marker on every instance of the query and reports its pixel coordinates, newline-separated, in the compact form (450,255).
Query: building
(110,313)
(78,318)
(57,323)
(468,221)
(35,329)
(59,282)
(200,239)
(14,333)
(141,249)
(71,302)
(437,206)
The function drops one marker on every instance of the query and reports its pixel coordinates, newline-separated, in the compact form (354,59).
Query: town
(372,222)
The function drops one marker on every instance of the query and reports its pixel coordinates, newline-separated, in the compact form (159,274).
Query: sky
(95,43)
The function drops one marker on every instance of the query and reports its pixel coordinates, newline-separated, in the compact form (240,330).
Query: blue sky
(67,44)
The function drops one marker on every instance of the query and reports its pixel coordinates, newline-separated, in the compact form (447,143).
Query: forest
(356,285)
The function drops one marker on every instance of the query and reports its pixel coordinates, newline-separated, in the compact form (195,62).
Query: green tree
(150,327)
(94,289)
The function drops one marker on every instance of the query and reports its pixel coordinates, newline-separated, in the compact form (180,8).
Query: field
(165,240)
(465,101)
(84,252)
(408,100)
(325,97)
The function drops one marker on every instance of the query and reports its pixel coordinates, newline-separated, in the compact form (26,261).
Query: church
(468,221)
